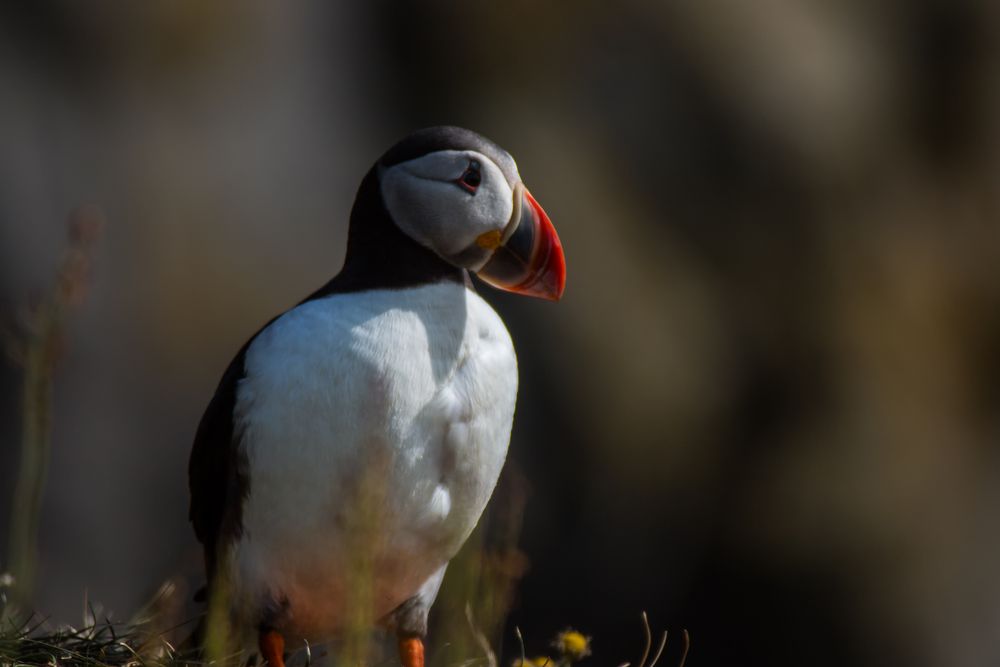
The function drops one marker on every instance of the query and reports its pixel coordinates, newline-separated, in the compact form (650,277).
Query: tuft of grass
(147,641)
(28,639)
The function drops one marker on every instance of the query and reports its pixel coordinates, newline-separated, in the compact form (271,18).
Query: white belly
(375,427)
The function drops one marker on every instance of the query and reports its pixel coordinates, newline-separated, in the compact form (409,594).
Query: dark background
(767,407)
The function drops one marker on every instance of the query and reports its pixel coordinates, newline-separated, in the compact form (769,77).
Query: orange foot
(272,647)
(411,651)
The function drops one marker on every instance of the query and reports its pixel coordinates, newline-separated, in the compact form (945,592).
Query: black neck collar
(380,255)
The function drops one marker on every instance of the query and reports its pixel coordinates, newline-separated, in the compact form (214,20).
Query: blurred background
(768,407)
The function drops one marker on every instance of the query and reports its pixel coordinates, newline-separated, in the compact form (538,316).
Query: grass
(471,610)
(36,347)
(27,639)
(100,642)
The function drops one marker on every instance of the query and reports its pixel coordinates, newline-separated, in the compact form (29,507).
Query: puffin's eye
(471,178)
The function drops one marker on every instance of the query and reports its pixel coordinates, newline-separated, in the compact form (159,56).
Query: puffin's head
(459,195)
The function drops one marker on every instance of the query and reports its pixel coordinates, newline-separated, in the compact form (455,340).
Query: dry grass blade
(649,640)
(484,644)
(687,645)
(659,650)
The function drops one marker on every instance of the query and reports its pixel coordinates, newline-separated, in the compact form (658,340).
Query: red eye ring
(470,178)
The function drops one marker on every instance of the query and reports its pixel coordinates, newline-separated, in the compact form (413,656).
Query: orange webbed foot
(272,647)
(411,651)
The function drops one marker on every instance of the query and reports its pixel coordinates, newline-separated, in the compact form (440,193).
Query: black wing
(217,475)
(217,471)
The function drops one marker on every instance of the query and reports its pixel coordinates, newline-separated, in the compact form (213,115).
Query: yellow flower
(572,644)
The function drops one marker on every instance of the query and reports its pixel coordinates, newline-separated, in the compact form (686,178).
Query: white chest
(374,423)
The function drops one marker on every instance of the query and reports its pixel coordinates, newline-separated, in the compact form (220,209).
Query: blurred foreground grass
(468,618)
(36,345)
(145,640)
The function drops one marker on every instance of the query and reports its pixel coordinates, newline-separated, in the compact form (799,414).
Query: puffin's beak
(529,258)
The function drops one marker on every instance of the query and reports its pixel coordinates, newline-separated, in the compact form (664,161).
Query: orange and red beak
(529,259)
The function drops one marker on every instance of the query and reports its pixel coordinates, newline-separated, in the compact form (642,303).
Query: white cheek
(488,210)
(418,206)
(441,215)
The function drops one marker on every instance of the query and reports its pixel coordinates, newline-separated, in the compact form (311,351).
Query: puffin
(369,423)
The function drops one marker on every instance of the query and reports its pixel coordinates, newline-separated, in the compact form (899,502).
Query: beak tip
(552,278)
(549,279)
(559,273)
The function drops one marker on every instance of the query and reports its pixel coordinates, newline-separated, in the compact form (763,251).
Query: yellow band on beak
(489,240)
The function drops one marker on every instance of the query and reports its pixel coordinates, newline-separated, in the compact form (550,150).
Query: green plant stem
(36,436)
